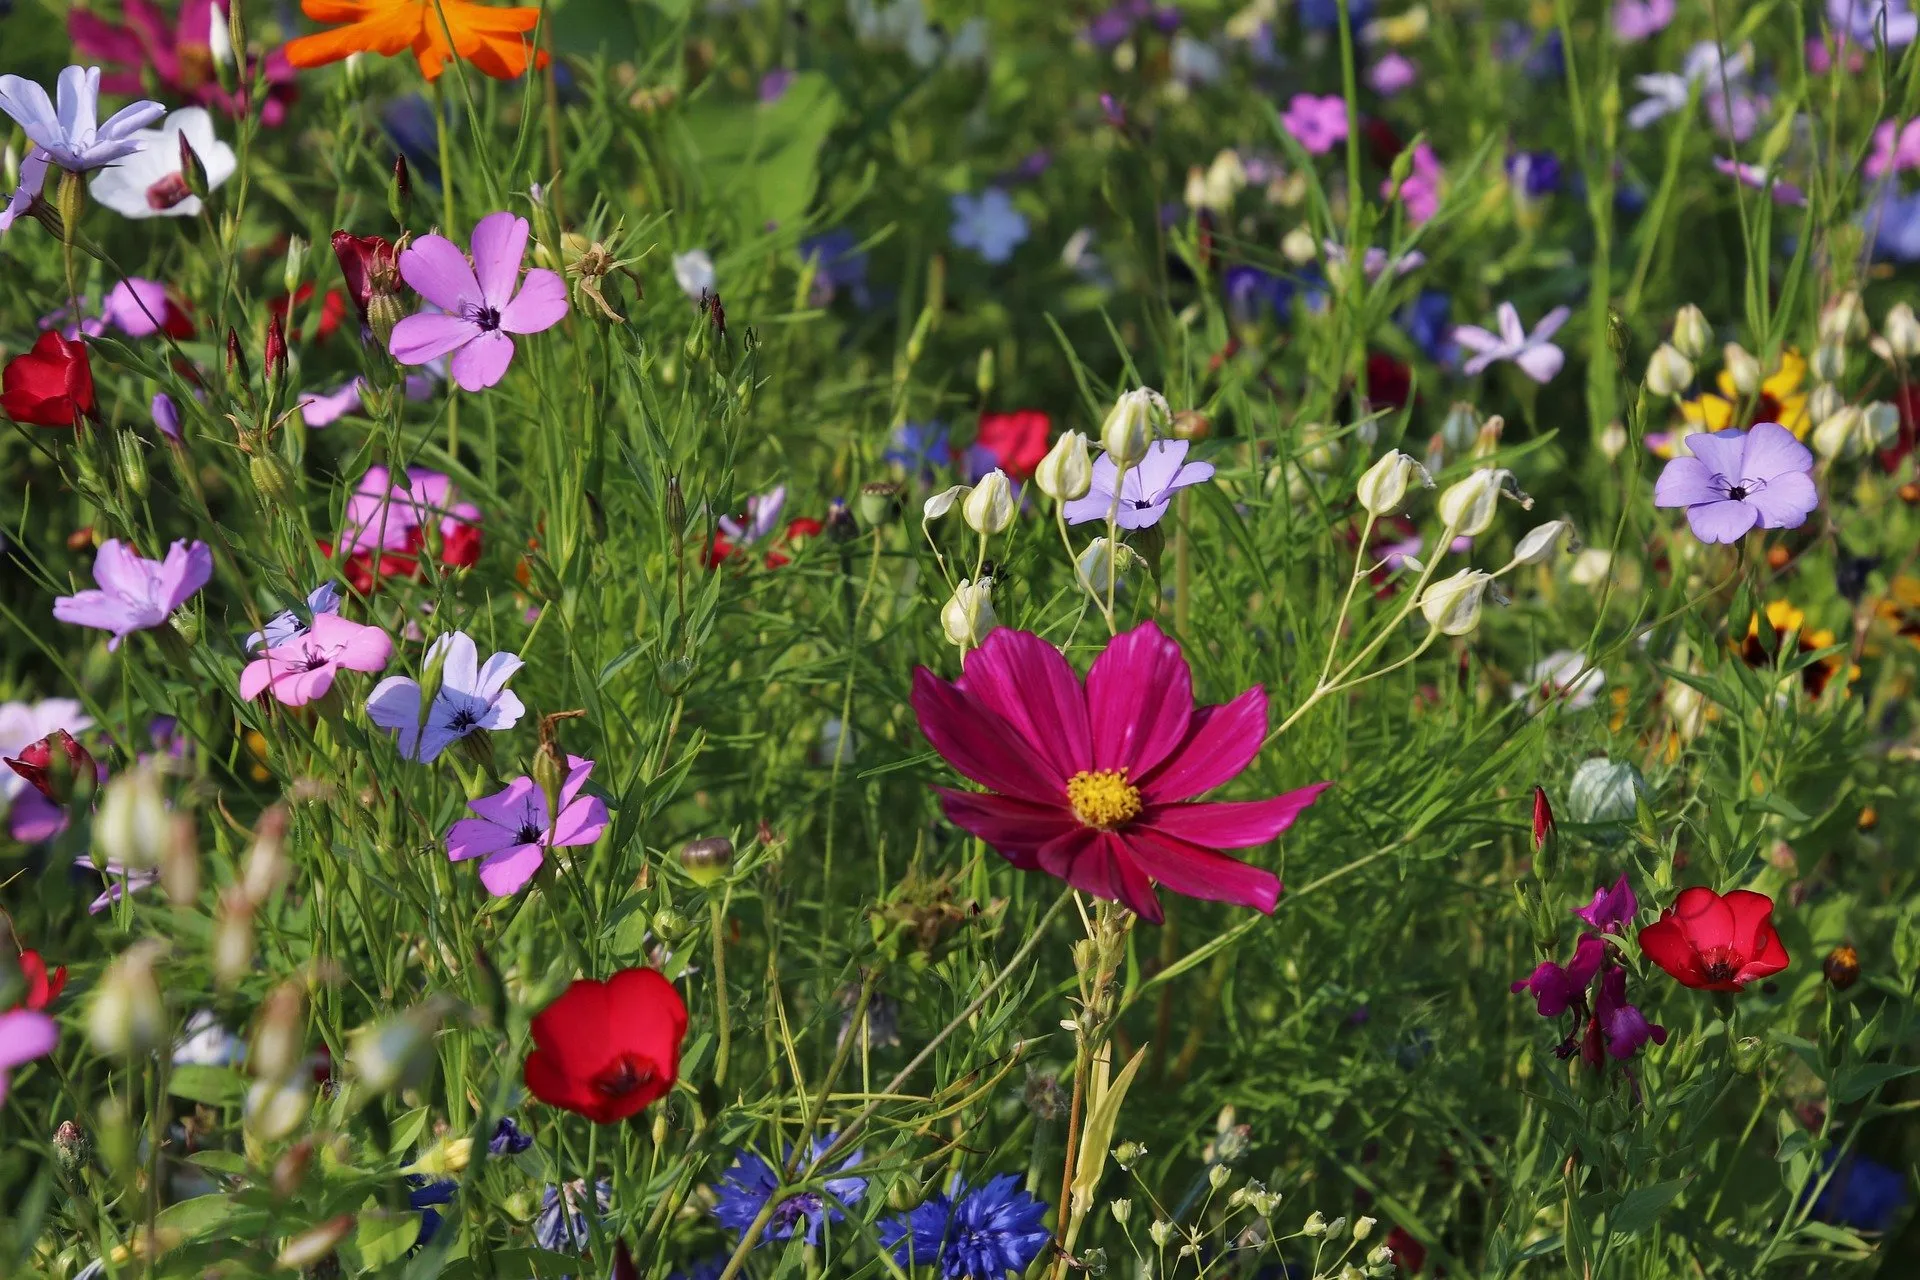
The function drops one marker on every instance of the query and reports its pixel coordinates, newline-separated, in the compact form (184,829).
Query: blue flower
(1253,293)
(920,448)
(561,1226)
(705,1269)
(1863,1193)
(424,1198)
(507,1140)
(980,1234)
(1428,321)
(752,1181)
(1535,173)
(839,267)
(471,697)
(1894,221)
(1324,15)
(988,224)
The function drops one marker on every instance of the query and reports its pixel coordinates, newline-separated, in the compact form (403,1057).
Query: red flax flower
(43,987)
(49,386)
(605,1050)
(1092,783)
(1017,440)
(1715,943)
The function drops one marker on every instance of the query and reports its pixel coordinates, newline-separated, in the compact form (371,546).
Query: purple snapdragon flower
(1612,909)
(1145,492)
(1538,358)
(136,594)
(480,303)
(989,1231)
(1735,480)
(1316,123)
(514,828)
(751,1181)
(286,626)
(70,137)
(471,698)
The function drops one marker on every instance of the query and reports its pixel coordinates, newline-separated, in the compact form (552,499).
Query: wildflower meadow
(891,639)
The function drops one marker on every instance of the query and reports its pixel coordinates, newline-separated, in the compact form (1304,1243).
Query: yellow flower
(1781,400)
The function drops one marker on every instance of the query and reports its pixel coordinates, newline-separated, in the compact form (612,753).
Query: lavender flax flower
(988,224)
(1737,479)
(71,137)
(470,698)
(136,594)
(515,828)
(1145,492)
(480,302)
(1538,358)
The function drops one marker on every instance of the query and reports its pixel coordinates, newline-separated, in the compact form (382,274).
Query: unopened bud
(880,502)
(1742,368)
(968,616)
(400,192)
(1102,563)
(1161,1231)
(192,171)
(128,1015)
(1218,1176)
(1299,246)
(275,1108)
(180,861)
(384,311)
(1133,422)
(983,373)
(232,939)
(1691,332)
(1127,1153)
(989,508)
(707,861)
(1122,1210)
(1902,331)
(295,265)
(1468,505)
(1843,318)
(72,1149)
(1363,1227)
(1461,427)
(1543,541)
(1669,372)
(1066,473)
(1384,485)
(131,825)
(1842,434)
(276,350)
(237,370)
(1613,440)
(290,1170)
(1315,1225)
(267,868)
(133,464)
(394,1052)
(1452,605)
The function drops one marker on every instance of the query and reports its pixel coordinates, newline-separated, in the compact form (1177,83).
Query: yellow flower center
(1103,797)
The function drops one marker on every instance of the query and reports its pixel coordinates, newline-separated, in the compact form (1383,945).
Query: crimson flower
(53,780)
(792,538)
(49,386)
(43,987)
(605,1050)
(1017,440)
(333,307)
(1092,783)
(367,264)
(1712,942)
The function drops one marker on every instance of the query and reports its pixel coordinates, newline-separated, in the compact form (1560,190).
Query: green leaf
(215,1086)
(1856,1083)
(761,159)
(1642,1207)
(383,1238)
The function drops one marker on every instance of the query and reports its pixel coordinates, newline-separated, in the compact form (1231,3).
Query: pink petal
(499,243)
(1030,683)
(255,678)
(298,688)
(980,743)
(1140,700)
(1232,825)
(1220,743)
(1014,828)
(505,874)
(1550,324)
(482,362)
(438,272)
(1194,872)
(1096,862)
(506,809)
(428,335)
(26,1034)
(540,304)
(581,822)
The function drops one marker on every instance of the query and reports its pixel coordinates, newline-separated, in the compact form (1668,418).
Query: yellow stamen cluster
(1103,797)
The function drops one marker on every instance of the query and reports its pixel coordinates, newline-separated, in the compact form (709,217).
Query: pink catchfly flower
(480,302)
(515,828)
(1096,782)
(1896,147)
(304,668)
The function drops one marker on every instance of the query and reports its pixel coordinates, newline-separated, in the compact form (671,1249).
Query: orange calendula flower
(494,40)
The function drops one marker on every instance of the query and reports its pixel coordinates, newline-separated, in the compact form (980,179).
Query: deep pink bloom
(181,57)
(1420,193)
(136,594)
(1557,987)
(1611,910)
(1623,1027)
(25,1034)
(1896,147)
(1092,783)
(515,828)
(1315,122)
(479,304)
(303,669)
(385,513)
(1734,480)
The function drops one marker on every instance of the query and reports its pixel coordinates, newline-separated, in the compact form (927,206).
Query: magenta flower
(515,828)
(320,409)
(1317,123)
(25,1034)
(1093,783)
(136,594)
(1555,987)
(1611,910)
(181,58)
(1420,193)
(393,514)
(479,303)
(1635,20)
(1623,1027)
(303,669)
(1538,358)
(1753,175)
(1392,74)
(1737,479)
(1896,147)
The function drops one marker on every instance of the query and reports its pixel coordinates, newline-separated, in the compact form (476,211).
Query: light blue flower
(470,698)
(69,136)
(988,224)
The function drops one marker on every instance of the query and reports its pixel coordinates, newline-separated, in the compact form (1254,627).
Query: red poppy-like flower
(43,987)
(367,264)
(333,308)
(795,536)
(605,1050)
(1094,783)
(1715,943)
(1017,440)
(49,386)
(36,764)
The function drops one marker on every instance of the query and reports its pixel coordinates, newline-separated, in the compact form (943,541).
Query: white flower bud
(1161,1231)
(1843,318)
(220,35)
(942,502)
(1452,605)
(1336,1227)
(394,1052)
(1669,372)
(1363,1227)
(232,939)
(1613,439)
(132,827)
(1691,332)
(1840,435)
(279,1037)
(295,264)
(1742,368)
(128,1016)
(1122,1210)
(968,616)
(1384,485)
(1218,1176)
(1132,423)
(1100,563)
(1829,361)
(1066,472)
(1902,331)
(1315,1225)
(1824,402)
(1299,247)
(1591,567)
(1468,505)
(276,1109)
(267,867)
(1542,541)
(988,509)
(1883,423)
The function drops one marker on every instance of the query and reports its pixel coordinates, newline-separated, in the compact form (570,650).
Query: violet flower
(285,627)
(1623,1027)
(1635,20)
(470,698)
(1392,74)
(71,137)
(304,669)
(1896,147)
(1316,123)
(120,880)
(1667,91)
(988,224)
(480,302)
(1538,358)
(1145,492)
(515,828)
(1867,22)
(762,517)
(1612,909)
(1735,480)
(25,1034)
(1374,263)
(1420,192)
(166,415)
(1753,175)
(136,594)
(1555,987)
(320,409)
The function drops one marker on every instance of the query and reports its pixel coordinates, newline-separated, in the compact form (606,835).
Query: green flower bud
(707,861)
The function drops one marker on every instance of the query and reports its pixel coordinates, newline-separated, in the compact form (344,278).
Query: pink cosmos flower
(1317,123)
(25,1034)
(1094,782)
(1734,480)
(181,58)
(1896,147)
(136,594)
(303,669)
(515,828)
(479,303)
(1420,193)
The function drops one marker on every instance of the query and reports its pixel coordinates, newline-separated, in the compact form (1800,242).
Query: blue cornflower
(1253,294)
(1535,173)
(507,1140)
(1894,222)
(705,1269)
(561,1226)
(980,1234)
(920,448)
(1324,15)
(1428,321)
(1863,1194)
(839,267)
(751,1181)
(424,1198)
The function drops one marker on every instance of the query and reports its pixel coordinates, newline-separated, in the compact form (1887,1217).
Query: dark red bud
(1542,818)
(236,359)
(276,353)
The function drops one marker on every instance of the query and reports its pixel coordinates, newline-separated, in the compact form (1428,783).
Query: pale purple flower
(988,224)
(136,594)
(480,302)
(1635,20)
(1315,122)
(1612,909)
(1896,147)
(304,669)
(70,137)
(1537,357)
(1667,91)
(136,307)
(471,697)
(166,415)
(120,880)
(324,408)
(1866,22)
(1735,480)
(1391,74)
(25,1034)
(1374,262)
(762,518)
(1555,987)
(515,828)
(1149,486)
(1753,175)
(1623,1027)
(285,627)
(774,84)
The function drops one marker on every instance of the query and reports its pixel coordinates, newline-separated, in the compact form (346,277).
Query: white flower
(1742,368)
(1902,331)
(989,508)
(1452,605)
(694,272)
(1667,92)
(1562,674)
(968,616)
(1384,485)
(208,1044)
(150,183)
(1691,332)
(942,502)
